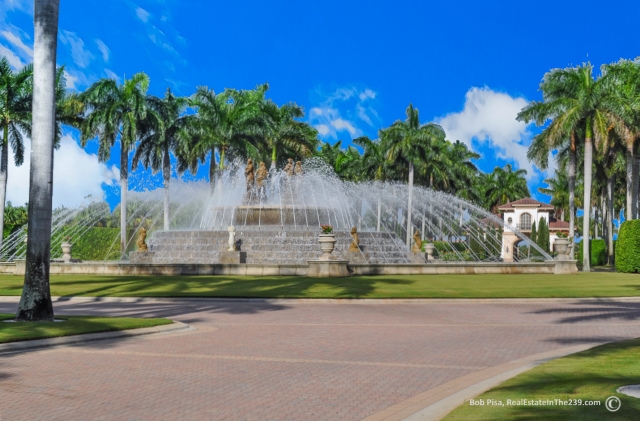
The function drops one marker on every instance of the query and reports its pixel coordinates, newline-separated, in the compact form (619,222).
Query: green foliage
(14,218)
(534,233)
(598,251)
(543,235)
(95,243)
(628,247)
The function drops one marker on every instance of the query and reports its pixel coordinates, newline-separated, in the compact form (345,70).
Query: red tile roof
(557,225)
(527,201)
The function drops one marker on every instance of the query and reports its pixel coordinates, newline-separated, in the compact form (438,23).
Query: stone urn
(561,245)
(66,251)
(429,248)
(327,244)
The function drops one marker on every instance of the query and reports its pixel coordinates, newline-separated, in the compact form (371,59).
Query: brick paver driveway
(289,361)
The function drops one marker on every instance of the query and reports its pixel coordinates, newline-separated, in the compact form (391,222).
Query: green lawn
(72,325)
(592,375)
(594,284)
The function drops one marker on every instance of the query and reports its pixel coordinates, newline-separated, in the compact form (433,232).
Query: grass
(594,284)
(592,375)
(72,325)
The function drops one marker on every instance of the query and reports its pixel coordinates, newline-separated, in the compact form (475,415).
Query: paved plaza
(281,360)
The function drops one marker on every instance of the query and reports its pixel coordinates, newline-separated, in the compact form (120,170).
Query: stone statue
(417,242)
(289,167)
(355,244)
(141,243)
(261,176)
(232,238)
(249,174)
(299,168)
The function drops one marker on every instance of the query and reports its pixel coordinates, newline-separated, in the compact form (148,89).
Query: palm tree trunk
(212,172)
(588,161)
(4,160)
(124,187)
(35,302)
(610,184)
(631,205)
(166,174)
(572,188)
(273,157)
(634,187)
(409,204)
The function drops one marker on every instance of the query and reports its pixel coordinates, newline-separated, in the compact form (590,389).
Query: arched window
(525,221)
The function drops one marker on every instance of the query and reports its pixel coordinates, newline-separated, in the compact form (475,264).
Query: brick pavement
(298,361)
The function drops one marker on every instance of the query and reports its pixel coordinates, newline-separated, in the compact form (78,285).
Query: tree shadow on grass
(589,311)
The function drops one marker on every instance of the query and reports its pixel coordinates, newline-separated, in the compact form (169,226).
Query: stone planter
(561,246)
(327,244)
(429,248)
(66,251)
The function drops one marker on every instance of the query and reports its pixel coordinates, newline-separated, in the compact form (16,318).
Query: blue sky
(353,65)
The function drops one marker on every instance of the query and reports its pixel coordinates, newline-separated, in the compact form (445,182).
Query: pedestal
(328,268)
(566,267)
(141,257)
(21,267)
(233,257)
(417,258)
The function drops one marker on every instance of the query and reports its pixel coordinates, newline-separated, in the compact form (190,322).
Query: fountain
(274,217)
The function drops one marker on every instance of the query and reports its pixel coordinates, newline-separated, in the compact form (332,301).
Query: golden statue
(289,167)
(417,242)
(249,174)
(141,243)
(299,168)
(261,175)
(355,244)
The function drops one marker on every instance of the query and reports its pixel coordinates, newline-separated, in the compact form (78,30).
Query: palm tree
(35,302)
(15,117)
(116,112)
(558,189)
(578,105)
(329,153)
(410,141)
(349,165)
(505,185)
(166,129)
(226,121)
(374,160)
(280,131)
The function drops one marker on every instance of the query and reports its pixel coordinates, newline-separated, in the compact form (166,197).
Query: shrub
(628,247)
(96,242)
(598,249)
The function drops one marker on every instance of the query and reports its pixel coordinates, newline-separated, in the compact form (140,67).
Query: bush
(95,243)
(628,247)
(598,250)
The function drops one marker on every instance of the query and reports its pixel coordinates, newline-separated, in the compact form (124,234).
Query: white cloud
(14,60)
(15,40)
(76,174)
(104,50)
(142,14)
(81,55)
(70,80)
(343,110)
(490,117)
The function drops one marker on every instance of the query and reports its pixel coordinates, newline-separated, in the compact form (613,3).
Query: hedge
(628,247)
(94,244)
(598,248)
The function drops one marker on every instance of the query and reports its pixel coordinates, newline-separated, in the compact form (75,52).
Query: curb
(91,337)
(436,403)
(80,299)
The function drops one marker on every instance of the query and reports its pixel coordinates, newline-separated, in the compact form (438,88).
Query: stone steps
(264,247)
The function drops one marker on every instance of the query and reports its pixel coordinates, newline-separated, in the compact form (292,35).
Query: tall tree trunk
(166,174)
(409,205)
(572,187)
(4,160)
(610,184)
(634,187)
(35,302)
(124,187)
(212,172)
(588,161)
(273,157)
(631,203)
